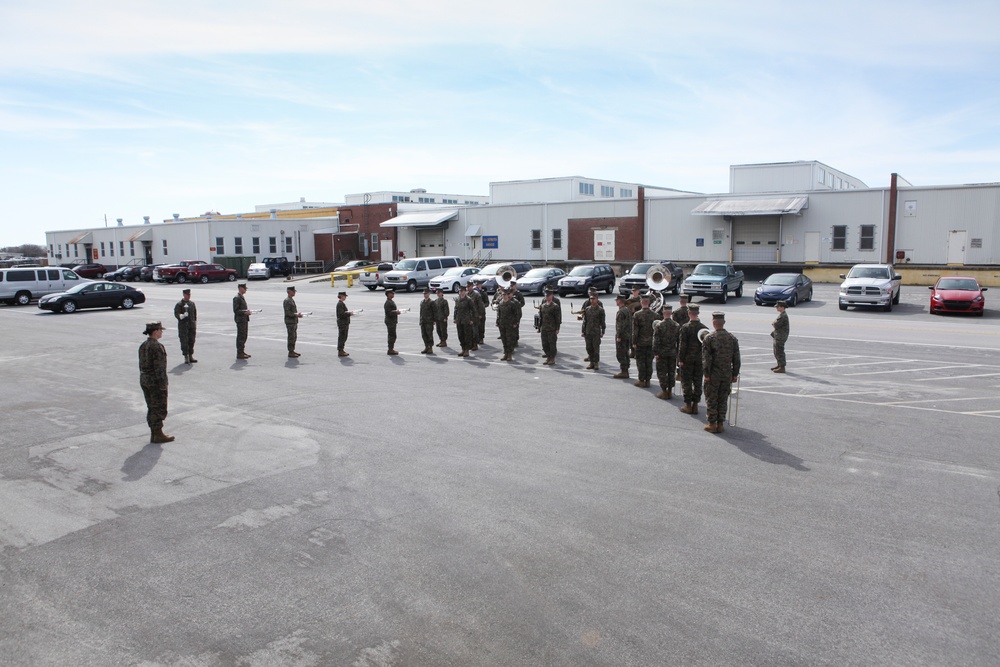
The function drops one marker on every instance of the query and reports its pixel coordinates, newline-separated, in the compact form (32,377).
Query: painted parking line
(914,370)
(994,414)
(956,377)
(944,400)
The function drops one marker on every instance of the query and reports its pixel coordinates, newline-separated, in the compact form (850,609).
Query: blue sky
(126,108)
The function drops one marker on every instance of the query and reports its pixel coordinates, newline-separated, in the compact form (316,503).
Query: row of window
(866,237)
(831,180)
(536,239)
(606,190)
(430,200)
(272,245)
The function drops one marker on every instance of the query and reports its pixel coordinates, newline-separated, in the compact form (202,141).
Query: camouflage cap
(667,307)
(719,315)
(780,304)
(620,297)
(152,326)
(186,290)
(340,294)
(290,288)
(694,308)
(242,285)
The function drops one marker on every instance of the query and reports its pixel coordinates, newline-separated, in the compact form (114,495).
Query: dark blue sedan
(788,287)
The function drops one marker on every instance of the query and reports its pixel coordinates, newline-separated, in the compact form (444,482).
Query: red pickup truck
(175,272)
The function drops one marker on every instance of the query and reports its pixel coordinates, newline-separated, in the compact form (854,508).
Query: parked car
(787,287)
(374,278)
(487,276)
(636,277)
(410,274)
(278,266)
(870,285)
(146,273)
(92,271)
(581,278)
(954,294)
(454,278)
(355,264)
(536,280)
(175,272)
(258,270)
(714,280)
(124,273)
(93,294)
(203,273)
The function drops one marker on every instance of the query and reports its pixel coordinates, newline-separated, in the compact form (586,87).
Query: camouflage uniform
(441,313)
(343,324)
(780,335)
(623,337)
(593,330)
(428,317)
(291,322)
(481,303)
(465,323)
(550,320)
(642,339)
(153,380)
(689,355)
(665,334)
(508,315)
(681,316)
(242,323)
(187,327)
(391,318)
(721,360)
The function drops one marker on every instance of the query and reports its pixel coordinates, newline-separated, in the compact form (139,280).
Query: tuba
(703,334)
(505,275)
(658,280)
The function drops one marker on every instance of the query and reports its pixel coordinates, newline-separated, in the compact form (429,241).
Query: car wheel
(232,277)
(843,306)
(455,287)
(810,297)
(181,278)
(677,290)
(204,280)
(895,299)
(725,296)
(69,307)
(739,291)
(22,298)
(610,288)
(371,288)
(127,303)
(794,300)
(411,286)
(888,306)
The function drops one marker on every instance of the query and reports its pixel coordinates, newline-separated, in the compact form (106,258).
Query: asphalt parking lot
(433,510)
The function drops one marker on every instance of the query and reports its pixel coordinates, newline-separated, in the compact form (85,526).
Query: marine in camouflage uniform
(343,324)
(593,331)
(428,317)
(681,314)
(591,293)
(465,321)
(721,360)
(689,360)
(442,311)
(153,380)
(241,314)
(549,322)
(391,318)
(642,341)
(623,336)
(292,316)
(508,315)
(187,325)
(780,335)
(518,297)
(479,301)
(665,334)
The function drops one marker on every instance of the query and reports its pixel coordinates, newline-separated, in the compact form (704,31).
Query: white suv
(870,285)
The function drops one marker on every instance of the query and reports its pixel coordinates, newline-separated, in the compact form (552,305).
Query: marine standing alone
(153,380)
(391,318)
(187,325)
(721,360)
(241,314)
(780,335)
(343,324)
(292,316)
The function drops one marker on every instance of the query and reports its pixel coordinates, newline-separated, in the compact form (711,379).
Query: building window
(840,237)
(220,245)
(607,191)
(867,237)
(821,175)
(556,239)
(374,247)
(586,188)
(255,245)
(52,250)
(536,239)
(471,203)
(76,250)
(425,200)
(625,192)
(288,244)
(400,198)
(121,248)
(272,245)
(165,253)
(131,248)
(102,248)
(111,248)
(449,201)
(238,245)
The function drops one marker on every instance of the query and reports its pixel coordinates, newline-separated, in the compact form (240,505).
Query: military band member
(721,361)
(479,303)
(187,325)
(442,311)
(391,318)
(593,331)
(591,293)
(549,322)
(343,324)
(689,360)
(153,380)
(623,336)
(428,317)
(665,333)
(482,303)
(241,314)
(634,303)
(642,341)
(780,335)
(508,317)
(681,314)
(465,321)
(292,317)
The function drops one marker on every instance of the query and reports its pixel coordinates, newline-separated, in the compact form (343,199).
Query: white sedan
(258,270)
(453,279)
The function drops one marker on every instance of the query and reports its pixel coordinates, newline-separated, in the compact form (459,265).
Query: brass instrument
(658,280)
(506,274)
(703,334)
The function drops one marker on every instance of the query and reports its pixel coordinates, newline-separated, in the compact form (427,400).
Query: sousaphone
(657,280)
(506,274)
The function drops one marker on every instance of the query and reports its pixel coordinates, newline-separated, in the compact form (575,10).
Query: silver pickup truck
(870,285)
(374,276)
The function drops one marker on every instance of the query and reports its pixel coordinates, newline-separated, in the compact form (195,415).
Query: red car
(204,272)
(954,294)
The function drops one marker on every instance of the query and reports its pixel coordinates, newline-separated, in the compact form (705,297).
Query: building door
(812,248)
(755,239)
(604,245)
(430,242)
(956,247)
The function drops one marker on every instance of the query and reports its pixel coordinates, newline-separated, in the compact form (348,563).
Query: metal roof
(422,219)
(779,206)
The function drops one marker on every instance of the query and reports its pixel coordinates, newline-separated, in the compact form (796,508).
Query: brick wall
(628,238)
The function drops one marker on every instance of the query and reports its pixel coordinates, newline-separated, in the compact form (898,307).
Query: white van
(18,286)
(410,274)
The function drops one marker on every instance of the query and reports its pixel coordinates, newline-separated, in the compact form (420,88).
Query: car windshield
(642,268)
(535,274)
(582,271)
(782,279)
(490,270)
(454,272)
(958,283)
(407,265)
(709,270)
(869,272)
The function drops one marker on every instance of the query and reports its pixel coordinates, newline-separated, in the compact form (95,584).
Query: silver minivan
(18,286)
(410,274)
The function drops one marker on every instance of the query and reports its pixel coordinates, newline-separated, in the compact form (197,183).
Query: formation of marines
(670,339)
